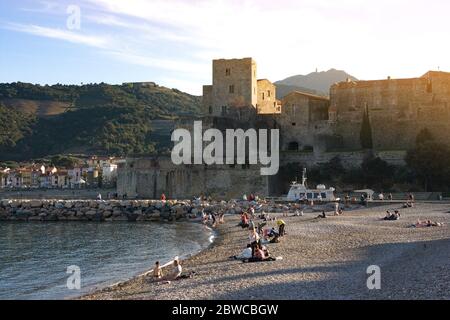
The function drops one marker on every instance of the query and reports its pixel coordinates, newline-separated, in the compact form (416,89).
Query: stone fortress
(398,108)
(313,129)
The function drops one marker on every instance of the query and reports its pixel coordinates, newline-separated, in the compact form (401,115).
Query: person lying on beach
(323,215)
(245,254)
(427,223)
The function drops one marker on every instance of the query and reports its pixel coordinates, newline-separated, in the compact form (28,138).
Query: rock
(132,217)
(59,205)
(50,217)
(117,213)
(68,205)
(107,214)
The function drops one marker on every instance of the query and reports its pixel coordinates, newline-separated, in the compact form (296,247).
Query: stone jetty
(129,210)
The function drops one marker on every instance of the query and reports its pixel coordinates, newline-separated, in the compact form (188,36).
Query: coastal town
(90,172)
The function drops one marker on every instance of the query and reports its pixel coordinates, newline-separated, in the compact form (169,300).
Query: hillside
(315,82)
(96,118)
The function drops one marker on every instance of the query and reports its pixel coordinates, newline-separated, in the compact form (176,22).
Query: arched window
(293,146)
(210,110)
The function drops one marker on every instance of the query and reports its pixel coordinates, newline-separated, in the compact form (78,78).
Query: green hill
(93,119)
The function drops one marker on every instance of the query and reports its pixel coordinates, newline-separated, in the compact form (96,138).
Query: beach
(322,259)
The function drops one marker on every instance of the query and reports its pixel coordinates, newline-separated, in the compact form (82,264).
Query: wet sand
(322,259)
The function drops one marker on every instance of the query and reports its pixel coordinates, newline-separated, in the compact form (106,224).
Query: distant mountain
(315,82)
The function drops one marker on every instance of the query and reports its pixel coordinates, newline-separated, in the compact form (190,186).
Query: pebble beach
(321,259)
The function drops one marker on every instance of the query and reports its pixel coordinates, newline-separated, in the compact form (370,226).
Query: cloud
(60,34)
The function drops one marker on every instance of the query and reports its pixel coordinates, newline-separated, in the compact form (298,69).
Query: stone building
(304,117)
(236,92)
(398,110)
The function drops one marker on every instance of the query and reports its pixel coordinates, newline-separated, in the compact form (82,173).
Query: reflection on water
(34,256)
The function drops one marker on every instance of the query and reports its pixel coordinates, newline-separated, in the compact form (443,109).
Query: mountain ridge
(315,82)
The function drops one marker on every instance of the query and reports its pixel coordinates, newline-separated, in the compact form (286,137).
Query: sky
(173,42)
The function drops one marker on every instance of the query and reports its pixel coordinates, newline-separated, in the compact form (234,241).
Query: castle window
(231,88)
(268,93)
(263,95)
(293,146)
(294,124)
(227,71)
(210,110)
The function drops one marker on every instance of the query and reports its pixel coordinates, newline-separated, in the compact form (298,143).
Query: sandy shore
(322,259)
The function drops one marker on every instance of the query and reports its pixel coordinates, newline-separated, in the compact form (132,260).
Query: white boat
(300,191)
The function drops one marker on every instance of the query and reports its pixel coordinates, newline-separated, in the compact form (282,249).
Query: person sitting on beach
(251,211)
(272,233)
(222,217)
(275,239)
(298,213)
(394,216)
(259,255)
(157,272)
(176,271)
(244,221)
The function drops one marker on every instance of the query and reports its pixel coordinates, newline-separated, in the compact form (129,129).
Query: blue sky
(172,42)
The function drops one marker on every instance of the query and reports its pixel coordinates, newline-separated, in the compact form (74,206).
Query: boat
(299,191)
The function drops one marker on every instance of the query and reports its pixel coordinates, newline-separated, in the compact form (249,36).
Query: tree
(377,173)
(366,131)
(431,164)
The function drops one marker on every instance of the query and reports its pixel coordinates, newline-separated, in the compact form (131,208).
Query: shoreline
(119,284)
(322,259)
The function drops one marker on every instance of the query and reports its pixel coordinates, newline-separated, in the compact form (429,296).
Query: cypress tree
(366,131)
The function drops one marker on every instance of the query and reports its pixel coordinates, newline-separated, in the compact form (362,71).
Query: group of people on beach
(259,236)
(175,274)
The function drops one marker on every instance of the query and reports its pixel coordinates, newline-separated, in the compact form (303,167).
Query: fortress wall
(150,177)
(349,159)
(398,110)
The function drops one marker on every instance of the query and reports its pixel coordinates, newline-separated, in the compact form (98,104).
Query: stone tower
(234,88)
